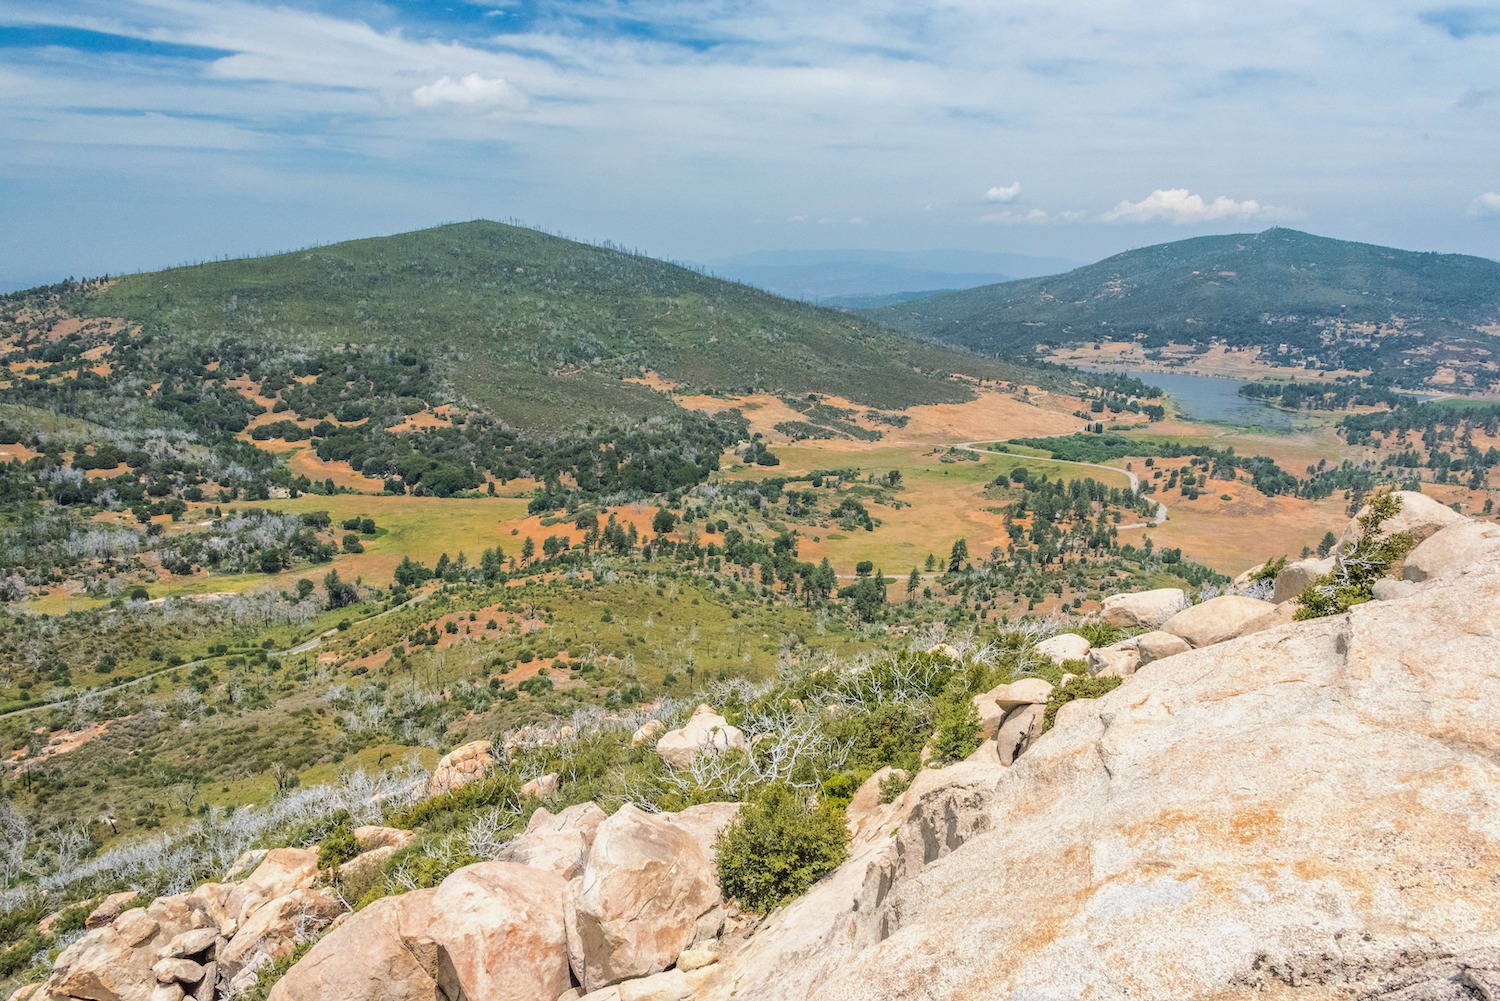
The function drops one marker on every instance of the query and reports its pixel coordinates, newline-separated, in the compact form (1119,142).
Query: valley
(269,525)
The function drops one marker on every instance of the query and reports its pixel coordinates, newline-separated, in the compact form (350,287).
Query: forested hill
(1303,298)
(534,328)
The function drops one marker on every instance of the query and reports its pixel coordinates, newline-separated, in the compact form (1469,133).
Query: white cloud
(1486,206)
(471,90)
(1010,216)
(1180,206)
(1004,195)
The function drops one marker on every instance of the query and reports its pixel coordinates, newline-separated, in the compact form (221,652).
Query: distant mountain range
(1413,318)
(867,278)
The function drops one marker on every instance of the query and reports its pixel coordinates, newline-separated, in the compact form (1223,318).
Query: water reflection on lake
(1207,398)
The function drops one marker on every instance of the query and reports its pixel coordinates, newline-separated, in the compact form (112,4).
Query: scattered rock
(460,766)
(1143,608)
(705,733)
(1294,577)
(698,956)
(189,944)
(276,928)
(945,650)
(647,731)
(1388,589)
(542,787)
(283,871)
(182,971)
(1159,645)
(1217,619)
(1064,647)
(109,908)
(369,837)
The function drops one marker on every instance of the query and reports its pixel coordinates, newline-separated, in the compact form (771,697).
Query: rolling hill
(1301,298)
(537,329)
(437,362)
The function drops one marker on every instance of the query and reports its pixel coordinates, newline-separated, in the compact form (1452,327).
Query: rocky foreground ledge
(1263,809)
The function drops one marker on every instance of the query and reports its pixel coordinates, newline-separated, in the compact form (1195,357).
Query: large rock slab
(1143,608)
(1159,645)
(460,766)
(646,892)
(1304,812)
(1453,549)
(385,951)
(1217,619)
(501,933)
(705,733)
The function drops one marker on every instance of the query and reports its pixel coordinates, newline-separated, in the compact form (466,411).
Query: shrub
(1077,688)
(338,846)
(957,725)
(778,847)
(1352,579)
(893,785)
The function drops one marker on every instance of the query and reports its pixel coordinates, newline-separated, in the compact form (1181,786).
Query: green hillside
(437,362)
(535,328)
(1326,302)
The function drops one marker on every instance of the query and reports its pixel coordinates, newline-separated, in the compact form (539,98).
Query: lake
(1209,398)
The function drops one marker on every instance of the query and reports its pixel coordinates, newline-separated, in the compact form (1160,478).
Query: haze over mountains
(869,278)
(1302,298)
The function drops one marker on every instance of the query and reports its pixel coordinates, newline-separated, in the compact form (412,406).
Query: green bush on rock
(778,847)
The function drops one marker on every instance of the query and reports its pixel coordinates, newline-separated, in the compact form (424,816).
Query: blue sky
(140,133)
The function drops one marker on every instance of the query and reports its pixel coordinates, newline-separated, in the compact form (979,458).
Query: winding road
(1135,481)
(303,647)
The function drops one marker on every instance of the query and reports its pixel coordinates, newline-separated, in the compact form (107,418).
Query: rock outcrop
(460,766)
(1143,608)
(1299,812)
(1064,647)
(1293,578)
(1217,619)
(1420,517)
(705,733)
(648,891)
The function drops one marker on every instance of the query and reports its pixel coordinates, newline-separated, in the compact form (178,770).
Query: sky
(136,134)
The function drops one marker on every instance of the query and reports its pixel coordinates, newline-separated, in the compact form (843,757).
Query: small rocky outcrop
(705,733)
(460,766)
(1217,619)
(1159,645)
(994,705)
(1143,608)
(1118,660)
(1064,647)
